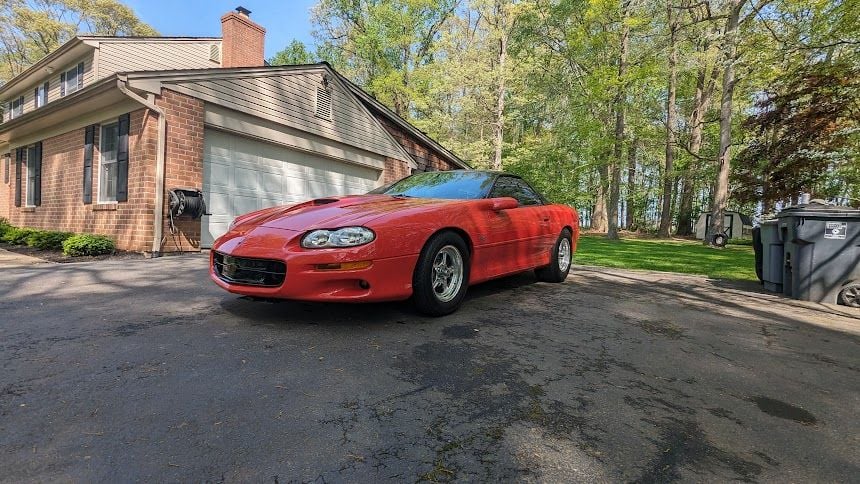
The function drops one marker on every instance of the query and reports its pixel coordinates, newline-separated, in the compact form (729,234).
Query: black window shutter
(37,189)
(21,103)
(122,160)
(62,84)
(80,75)
(36,98)
(47,85)
(89,135)
(19,165)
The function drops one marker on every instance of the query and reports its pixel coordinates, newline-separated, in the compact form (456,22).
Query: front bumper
(386,279)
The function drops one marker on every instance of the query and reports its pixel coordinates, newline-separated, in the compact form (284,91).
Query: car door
(520,237)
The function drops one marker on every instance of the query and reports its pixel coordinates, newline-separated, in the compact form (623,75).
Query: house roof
(369,101)
(397,120)
(79,45)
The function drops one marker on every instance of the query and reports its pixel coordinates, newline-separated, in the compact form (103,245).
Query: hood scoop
(323,201)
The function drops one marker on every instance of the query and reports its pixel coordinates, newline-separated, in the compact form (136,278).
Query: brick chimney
(242,40)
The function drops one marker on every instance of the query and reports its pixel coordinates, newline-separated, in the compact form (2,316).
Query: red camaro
(428,236)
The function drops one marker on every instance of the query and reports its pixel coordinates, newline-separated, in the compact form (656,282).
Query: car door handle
(545,219)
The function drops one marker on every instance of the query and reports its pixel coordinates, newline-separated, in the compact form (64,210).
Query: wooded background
(641,113)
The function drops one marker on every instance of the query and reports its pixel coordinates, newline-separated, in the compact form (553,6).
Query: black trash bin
(771,256)
(821,261)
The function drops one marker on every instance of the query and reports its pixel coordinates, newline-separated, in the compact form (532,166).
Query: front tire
(562,258)
(441,276)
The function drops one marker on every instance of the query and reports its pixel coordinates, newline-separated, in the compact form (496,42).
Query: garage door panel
(241,175)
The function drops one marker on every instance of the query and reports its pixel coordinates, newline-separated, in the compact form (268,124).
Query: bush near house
(48,239)
(17,235)
(87,244)
(5,226)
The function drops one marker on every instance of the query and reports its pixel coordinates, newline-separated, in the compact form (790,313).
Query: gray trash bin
(821,261)
(772,256)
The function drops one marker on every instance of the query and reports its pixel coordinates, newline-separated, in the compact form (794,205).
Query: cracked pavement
(143,370)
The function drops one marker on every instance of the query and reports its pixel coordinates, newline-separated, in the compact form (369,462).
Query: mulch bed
(58,256)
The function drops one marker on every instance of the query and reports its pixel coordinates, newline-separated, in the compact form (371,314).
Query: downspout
(158,211)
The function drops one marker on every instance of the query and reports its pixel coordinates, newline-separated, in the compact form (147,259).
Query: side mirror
(504,203)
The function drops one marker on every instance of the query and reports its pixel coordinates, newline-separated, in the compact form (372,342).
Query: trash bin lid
(820,210)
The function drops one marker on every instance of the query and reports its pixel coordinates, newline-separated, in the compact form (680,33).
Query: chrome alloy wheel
(851,296)
(447,273)
(563,254)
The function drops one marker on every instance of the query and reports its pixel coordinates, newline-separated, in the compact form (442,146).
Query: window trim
(20,102)
(41,95)
(101,130)
(68,87)
(7,166)
(29,163)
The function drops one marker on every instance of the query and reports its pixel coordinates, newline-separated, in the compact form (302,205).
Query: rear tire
(562,258)
(441,276)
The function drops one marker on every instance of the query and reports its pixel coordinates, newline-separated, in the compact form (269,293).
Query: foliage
(5,226)
(87,244)
(437,65)
(733,262)
(31,29)
(295,53)
(47,239)
(807,137)
(18,235)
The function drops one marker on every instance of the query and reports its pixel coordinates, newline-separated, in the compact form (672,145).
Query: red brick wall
(128,223)
(183,162)
(425,157)
(241,41)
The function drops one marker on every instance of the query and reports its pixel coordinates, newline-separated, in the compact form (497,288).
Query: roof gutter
(158,211)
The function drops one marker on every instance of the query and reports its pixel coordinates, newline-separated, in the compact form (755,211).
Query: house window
(31,177)
(17,108)
(72,80)
(108,167)
(41,95)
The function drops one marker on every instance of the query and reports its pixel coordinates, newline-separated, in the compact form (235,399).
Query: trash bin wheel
(850,295)
(720,240)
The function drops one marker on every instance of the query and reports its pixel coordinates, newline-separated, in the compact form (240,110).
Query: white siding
(290,99)
(54,86)
(118,56)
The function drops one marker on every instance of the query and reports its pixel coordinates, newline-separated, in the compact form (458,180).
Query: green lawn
(733,262)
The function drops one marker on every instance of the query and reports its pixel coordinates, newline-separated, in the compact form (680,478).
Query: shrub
(5,226)
(48,239)
(17,235)
(87,244)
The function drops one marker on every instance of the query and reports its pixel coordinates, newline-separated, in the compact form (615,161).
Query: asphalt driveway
(145,371)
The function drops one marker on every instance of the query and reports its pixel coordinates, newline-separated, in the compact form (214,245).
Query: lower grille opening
(248,271)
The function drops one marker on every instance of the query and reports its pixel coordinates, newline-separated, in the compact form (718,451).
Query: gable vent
(323,104)
(215,53)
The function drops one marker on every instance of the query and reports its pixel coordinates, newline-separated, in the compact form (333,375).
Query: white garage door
(241,175)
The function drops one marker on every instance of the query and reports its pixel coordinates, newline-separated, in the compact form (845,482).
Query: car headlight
(344,237)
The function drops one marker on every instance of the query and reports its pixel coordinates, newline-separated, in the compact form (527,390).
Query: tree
(671,122)
(618,145)
(31,29)
(294,53)
(721,190)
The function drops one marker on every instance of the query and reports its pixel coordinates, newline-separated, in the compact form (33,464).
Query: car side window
(508,186)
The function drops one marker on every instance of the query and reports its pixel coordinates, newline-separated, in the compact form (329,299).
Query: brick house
(96,134)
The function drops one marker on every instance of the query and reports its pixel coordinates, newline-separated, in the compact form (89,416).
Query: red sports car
(428,236)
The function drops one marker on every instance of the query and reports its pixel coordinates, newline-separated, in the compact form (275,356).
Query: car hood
(335,212)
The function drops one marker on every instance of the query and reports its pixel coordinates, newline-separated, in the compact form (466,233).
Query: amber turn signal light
(344,266)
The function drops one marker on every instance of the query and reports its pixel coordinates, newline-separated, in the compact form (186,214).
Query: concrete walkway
(12,259)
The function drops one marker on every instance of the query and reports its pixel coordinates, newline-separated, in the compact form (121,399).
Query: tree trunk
(668,192)
(599,221)
(721,189)
(620,99)
(630,221)
(499,124)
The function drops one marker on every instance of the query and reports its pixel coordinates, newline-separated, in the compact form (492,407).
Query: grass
(688,257)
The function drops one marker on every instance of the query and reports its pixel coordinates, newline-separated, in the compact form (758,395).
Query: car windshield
(441,184)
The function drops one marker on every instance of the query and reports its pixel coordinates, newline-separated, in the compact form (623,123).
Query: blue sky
(284,20)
